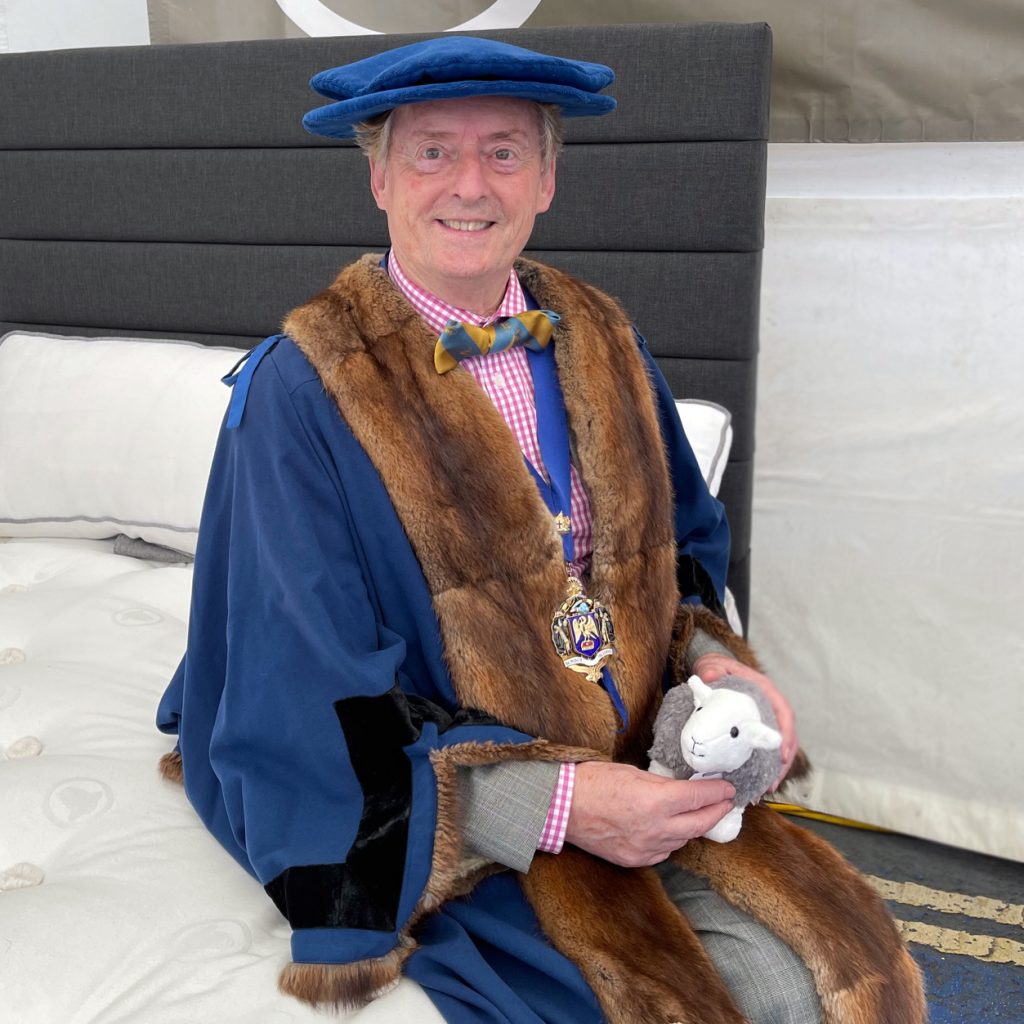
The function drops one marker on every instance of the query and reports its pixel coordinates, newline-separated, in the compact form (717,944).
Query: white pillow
(104,436)
(107,436)
(708,428)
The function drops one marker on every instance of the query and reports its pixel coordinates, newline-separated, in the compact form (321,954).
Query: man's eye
(504,154)
(431,153)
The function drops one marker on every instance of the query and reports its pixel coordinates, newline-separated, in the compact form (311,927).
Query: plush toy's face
(723,731)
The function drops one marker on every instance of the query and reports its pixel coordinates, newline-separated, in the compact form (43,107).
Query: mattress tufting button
(12,656)
(27,746)
(21,876)
(77,800)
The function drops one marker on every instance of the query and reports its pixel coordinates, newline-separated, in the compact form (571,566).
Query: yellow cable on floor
(832,819)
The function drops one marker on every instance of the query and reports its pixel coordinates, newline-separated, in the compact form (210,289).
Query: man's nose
(470,178)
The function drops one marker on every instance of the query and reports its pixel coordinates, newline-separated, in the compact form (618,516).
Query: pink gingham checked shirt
(505,379)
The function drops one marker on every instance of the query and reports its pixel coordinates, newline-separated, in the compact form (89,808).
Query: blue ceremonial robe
(307,592)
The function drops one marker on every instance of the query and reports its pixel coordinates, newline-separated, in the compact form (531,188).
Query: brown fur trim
(453,870)
(171,767)
(495,602)
(682,634)
(621,458)
(630,942)
(693,616)
(345,986)
(801,888)
(799,769)
(635,950)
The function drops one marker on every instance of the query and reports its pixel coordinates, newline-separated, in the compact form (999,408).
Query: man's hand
(634,819)
(711,667)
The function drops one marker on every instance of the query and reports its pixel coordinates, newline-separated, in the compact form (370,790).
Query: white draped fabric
(888,574)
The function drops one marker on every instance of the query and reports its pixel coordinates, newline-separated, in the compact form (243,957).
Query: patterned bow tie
(458,341)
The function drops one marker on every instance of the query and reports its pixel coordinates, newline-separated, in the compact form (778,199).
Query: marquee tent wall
(889,484)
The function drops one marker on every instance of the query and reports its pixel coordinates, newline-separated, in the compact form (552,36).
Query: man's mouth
(467,225)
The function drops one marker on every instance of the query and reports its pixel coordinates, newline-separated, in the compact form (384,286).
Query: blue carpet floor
(970,985)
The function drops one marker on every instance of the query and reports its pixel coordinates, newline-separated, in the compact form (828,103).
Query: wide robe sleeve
(305,748)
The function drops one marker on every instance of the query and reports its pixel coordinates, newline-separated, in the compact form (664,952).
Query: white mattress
(116,905)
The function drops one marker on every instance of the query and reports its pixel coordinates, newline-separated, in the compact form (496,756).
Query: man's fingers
(696,823)
(632,818)
(712,673)
(689,795)
(677,831)
(661,855)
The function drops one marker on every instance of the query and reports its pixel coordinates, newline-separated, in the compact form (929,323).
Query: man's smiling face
(461,185)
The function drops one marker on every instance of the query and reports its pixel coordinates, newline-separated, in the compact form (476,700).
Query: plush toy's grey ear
(764,736)
(668,725)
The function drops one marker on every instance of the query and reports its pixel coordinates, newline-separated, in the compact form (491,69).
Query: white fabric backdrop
(889,496)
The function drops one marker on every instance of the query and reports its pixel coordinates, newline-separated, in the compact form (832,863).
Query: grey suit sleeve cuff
(702,643)
(504,807)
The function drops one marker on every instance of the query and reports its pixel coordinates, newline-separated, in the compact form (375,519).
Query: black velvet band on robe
(363,892)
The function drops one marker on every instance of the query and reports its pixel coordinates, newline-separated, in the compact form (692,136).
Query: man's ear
(547,188)
(378,183)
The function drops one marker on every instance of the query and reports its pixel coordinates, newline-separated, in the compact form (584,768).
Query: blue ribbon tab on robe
(240,379)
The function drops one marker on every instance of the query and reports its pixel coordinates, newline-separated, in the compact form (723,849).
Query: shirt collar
(436,312)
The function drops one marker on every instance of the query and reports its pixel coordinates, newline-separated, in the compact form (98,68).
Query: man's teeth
(466,225)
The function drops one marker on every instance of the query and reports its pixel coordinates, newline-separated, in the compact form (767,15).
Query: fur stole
(493,563)
(485,540)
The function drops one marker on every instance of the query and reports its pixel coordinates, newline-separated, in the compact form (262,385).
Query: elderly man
(454,544)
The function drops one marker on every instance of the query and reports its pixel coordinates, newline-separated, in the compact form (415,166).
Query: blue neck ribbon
(553,439)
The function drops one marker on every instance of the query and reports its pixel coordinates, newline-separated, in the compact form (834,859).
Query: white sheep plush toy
(725,730)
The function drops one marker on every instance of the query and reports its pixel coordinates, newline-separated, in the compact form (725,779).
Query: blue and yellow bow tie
(459,341)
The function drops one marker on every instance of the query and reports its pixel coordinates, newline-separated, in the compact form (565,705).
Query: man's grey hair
(374,136)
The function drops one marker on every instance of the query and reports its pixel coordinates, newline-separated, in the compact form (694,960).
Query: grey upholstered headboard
(171,191)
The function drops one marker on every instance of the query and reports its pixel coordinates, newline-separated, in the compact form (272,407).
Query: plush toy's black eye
(696,709)
(734,732)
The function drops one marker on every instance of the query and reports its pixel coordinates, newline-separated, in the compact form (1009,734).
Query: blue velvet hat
(453,67)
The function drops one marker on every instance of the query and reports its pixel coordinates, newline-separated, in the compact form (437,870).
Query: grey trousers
(768,981)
